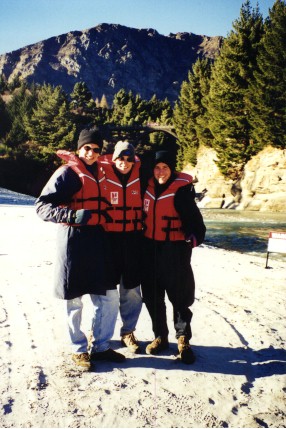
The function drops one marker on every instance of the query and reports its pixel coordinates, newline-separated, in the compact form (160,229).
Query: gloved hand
(192,241)
(80,217)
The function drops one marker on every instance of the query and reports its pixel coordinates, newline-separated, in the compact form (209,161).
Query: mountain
(109,57)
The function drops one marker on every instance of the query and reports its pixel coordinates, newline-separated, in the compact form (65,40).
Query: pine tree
(142,110)
(50,125)
(21,105)
(155,108)
(166,116)
(120,101)
(267,94)
(189,113)
(80,95)
(203,72)
(231,75)
(5,124)
(129,112)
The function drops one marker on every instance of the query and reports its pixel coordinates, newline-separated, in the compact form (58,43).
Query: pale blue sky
(23,22)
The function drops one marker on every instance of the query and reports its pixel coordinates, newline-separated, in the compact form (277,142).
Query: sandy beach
(237,381)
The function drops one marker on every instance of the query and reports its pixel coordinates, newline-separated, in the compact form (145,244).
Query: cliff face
(109,57)
(264,182)
(263,186)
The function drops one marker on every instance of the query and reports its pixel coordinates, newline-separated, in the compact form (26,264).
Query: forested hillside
(234,104)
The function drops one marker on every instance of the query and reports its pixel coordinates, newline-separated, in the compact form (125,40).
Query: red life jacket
(125,201)
(162,220)
(89,196)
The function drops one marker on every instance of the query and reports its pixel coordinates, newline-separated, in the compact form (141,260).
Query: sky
(24,22)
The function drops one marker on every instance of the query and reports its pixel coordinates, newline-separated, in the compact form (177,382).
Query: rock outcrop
(109,57)
(264,182)
(262,187)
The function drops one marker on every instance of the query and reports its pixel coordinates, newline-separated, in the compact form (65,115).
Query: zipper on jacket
(99,201)
(124,206)
(154,220)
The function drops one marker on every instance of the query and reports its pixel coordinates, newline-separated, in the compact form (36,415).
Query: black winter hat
(92,135)
(167,158)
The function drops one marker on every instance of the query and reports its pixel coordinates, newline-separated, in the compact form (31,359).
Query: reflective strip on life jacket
(162,221)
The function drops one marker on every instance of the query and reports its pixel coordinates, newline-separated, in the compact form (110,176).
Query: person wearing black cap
(72,199)
(122,188)
(173,226)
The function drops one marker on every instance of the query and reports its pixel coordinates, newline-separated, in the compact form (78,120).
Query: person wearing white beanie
(122,188)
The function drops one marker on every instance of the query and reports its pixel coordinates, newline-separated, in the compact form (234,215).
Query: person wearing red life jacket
(72,198)
(173,226)
(122,189)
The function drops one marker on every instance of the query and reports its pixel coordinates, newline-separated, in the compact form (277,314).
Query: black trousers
(167,271)
(156,306)
(124,258)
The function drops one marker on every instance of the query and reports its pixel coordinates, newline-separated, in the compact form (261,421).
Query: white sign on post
(276,243)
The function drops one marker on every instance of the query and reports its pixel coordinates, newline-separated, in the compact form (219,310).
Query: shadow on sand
(244,361)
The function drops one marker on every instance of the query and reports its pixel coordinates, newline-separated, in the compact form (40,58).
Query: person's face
(89,153)
(162,173)
(123,164)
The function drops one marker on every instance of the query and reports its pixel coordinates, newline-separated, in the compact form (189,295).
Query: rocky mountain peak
(109,57)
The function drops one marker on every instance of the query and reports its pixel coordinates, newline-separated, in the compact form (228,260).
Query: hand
(192,241)
(82,217)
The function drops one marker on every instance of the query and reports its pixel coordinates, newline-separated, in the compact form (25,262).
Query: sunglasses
(95,149)
(129,159)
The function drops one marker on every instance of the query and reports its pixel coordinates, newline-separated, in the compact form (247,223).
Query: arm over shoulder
(58,192)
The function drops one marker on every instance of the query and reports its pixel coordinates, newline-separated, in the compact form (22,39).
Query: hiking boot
(108,355)
(186,354)
(81,359)
(157,345)
(129,341)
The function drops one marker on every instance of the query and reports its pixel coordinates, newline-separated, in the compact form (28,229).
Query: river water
(242,231)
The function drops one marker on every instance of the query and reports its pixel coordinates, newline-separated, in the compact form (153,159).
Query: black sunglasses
(95,149)
(129,159)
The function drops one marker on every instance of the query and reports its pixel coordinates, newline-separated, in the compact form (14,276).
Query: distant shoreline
(8,197)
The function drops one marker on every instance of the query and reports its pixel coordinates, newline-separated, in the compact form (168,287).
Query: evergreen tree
(142,110)
(185,127)
(50,125)
(203,72)
(80,96)
(5,119)
(231,75)
(190,114)
(166,116)
(20,106)
(155,108)
(120,101)
(129,112)
(267,94)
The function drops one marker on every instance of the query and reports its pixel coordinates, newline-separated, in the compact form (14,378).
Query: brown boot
(129,341)
(157,345)
(186,354)
(81,359)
